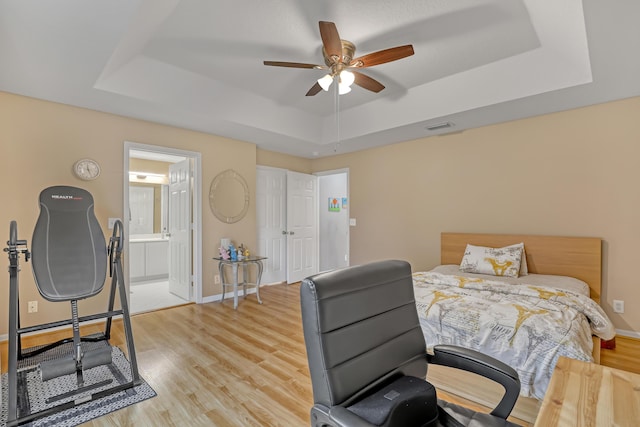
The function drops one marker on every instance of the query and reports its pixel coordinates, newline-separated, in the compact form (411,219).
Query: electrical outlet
(112,222)
(618,306)
(217,279)
(32,307)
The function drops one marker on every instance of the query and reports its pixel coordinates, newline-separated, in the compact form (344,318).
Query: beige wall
(283,161)
(573,173)
(41,140)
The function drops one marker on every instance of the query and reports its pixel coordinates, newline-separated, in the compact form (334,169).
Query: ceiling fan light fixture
(339,55)
(347,78)
(342,89)
(325,82)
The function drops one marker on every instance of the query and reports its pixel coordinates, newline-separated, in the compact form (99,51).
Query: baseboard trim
(630,334)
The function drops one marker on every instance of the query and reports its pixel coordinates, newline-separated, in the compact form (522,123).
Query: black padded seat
(69,261)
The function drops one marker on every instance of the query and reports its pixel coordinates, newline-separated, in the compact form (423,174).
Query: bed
(515,322)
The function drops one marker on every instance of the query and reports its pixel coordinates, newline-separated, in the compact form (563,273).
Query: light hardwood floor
(625,356)
(215,366)
(212,365)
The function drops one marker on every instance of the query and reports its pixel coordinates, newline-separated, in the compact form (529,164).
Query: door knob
(284,232)
(292,233)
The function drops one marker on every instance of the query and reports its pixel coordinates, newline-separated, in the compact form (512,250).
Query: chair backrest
(360,327)
(69,253)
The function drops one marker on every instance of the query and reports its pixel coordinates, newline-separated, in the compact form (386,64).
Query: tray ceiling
(198,64)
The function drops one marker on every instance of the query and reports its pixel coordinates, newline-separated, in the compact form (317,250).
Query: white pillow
(493,261)
(524,269)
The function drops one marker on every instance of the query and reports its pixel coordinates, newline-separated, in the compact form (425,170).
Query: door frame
(196,206)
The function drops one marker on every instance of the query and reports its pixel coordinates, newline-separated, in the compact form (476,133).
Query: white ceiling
(197,64)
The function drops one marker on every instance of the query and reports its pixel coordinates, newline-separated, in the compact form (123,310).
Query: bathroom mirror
(148,209)
(229,196)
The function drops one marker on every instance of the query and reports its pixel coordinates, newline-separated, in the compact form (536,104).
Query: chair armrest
(347,418)
(486,366)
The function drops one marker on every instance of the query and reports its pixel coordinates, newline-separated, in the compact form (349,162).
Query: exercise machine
(69,258)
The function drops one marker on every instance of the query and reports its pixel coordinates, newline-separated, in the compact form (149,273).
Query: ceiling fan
(339,60)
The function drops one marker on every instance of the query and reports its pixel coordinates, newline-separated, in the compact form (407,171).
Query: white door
(271,208)
(302,226)
(180,229)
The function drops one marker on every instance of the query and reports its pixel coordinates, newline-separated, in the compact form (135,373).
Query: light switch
(618,306)
(352,222)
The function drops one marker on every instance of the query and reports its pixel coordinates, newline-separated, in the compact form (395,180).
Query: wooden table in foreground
(584,394)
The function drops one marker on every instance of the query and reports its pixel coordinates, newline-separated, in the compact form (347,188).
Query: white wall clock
(86,169)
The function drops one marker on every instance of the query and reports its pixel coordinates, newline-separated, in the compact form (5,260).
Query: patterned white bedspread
(527,327)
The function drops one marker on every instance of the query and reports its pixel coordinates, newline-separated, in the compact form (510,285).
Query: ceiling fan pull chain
(336,92)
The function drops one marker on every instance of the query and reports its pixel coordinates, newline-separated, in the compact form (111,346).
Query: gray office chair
(367,354)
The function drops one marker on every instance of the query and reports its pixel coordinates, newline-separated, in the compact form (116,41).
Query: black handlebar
(116,244)
(13,243)
(13,235)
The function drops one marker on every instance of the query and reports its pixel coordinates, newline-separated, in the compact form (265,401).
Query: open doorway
(333,219)
(162,226)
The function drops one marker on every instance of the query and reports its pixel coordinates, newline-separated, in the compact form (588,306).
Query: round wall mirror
(229,196)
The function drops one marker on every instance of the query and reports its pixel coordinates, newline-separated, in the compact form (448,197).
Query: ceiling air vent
(439,126)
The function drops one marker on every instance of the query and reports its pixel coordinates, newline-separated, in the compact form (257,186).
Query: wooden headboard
(579,257)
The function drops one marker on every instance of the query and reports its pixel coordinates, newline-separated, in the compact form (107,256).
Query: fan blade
(382,56)
(293,65)
(314,89)
(330,39)
(367,82)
